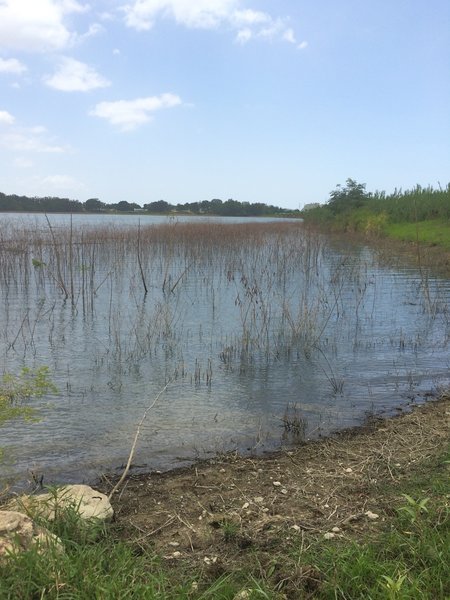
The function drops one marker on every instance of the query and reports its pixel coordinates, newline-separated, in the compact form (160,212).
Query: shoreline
(310,489)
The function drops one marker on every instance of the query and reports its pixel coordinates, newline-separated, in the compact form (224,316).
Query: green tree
(93,205)
(352,195)
(125,206)
(160,206)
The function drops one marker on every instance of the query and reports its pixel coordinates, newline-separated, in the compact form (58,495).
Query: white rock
(243,595)
(284,491)
(348,470)
(245,505)
(336,529)
(88,502)
(18,533)
(329,535)
(277,483)
(258,500)
(372,516)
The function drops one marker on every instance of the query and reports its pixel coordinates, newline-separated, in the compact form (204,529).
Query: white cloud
(12,65)
(63,184)
(302,45)
(69,6)
(75,76)
(22,163)
(29,140)
(250,17)
(129,114)
(6,118)
(199,14)
(289,36)
(244,35)
(94,29)
(37,25)
(208,14)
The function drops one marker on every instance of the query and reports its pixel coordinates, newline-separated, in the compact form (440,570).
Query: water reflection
(246,321)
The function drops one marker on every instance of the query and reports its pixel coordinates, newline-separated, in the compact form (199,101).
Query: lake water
(258,329)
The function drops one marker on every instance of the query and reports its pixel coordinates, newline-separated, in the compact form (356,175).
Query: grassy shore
(364,514)
(419,217)
(435,232)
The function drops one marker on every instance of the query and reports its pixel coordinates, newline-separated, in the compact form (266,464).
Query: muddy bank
(215,510)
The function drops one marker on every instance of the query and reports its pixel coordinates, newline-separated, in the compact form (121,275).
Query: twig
(136,436)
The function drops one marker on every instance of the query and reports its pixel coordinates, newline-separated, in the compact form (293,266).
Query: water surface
(251,332)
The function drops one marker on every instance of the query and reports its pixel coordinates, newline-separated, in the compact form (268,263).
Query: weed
(414,508)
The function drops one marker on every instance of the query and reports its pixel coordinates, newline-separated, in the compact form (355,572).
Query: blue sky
(256,100)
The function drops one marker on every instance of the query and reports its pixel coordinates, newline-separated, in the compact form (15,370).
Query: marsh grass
(117,312)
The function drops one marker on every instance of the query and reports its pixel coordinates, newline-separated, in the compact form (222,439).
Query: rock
(372,516)
(19,533)
(329,536)
(243,595)
(86,501)
(277,483)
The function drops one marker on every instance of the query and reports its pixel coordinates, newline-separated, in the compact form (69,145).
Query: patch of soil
(216,510)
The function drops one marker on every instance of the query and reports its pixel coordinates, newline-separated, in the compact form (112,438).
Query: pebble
(246,505)
(336,529)
(348,470)
(277,483)
(243,595)
(284,491)
(329,535)
(372,516)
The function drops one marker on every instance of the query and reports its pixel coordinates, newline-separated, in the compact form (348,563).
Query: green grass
(434,232)
(409,560)
(406,557)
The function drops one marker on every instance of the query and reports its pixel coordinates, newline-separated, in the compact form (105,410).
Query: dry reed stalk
(135,440)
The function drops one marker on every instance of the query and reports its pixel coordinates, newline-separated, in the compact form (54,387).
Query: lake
(249,334)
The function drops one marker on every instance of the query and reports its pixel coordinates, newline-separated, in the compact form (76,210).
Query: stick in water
(136,436)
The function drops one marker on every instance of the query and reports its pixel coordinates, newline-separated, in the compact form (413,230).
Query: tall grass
(379,210)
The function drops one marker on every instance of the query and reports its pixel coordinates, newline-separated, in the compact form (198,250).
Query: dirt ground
(212,512)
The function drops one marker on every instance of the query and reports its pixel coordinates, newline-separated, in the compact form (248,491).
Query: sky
(189,100)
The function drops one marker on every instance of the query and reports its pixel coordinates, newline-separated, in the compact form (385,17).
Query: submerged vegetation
(312,335)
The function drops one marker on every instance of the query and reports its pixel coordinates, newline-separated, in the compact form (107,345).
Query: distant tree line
(216,207)
(15,203)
